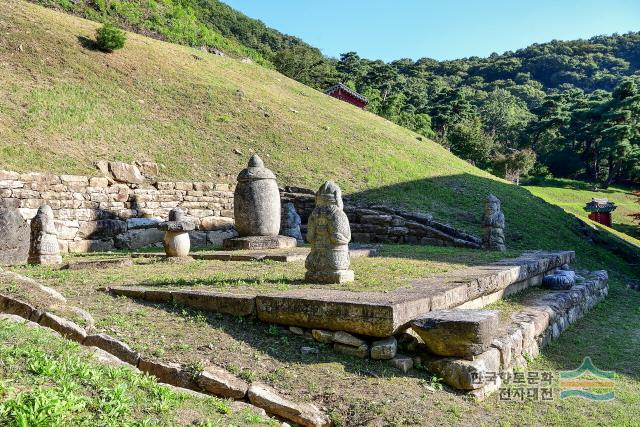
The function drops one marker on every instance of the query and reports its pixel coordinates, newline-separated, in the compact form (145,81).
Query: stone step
(521,336)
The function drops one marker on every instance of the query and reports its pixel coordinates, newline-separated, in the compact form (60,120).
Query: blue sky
(393,29)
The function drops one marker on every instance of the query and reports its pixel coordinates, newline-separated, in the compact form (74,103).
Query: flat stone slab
(463,333)
(279,255)
(259,242)
(379,314)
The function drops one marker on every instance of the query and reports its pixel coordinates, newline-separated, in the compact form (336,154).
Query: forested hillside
(563,108)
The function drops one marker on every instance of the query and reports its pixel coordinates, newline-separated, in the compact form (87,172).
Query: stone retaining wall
(98,214)
(95,213)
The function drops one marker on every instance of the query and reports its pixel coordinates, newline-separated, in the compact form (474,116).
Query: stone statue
(291,223)
(256,210)
(44,247)
(493,225)
(329,233)
(176,234)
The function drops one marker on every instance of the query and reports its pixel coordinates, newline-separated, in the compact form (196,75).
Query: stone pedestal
(259,242)
(340,276)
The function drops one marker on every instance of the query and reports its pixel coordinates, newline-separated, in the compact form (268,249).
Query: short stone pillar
(44,247)
(14,234)
(329,233)
(493,225)
(256,210)
(176,234)
(291,223)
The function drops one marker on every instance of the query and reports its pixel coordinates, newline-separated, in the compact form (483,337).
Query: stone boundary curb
(528,331)
(211,381)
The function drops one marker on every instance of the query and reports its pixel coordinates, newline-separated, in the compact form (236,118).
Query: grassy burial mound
(64,105)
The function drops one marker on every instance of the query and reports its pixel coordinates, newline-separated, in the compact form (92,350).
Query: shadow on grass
(88,43)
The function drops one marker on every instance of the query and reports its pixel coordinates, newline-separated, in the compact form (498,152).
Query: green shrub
(110,38)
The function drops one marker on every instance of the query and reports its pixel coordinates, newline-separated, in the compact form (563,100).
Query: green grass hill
(64,105)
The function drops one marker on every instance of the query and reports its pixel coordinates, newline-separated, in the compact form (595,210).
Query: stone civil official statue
(329,233)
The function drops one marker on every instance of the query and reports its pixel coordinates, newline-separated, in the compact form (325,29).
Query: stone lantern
(256,209)
(176,234)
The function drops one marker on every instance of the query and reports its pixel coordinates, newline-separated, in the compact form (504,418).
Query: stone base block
(46,259)
(259,242)
(463,333)
(329,277)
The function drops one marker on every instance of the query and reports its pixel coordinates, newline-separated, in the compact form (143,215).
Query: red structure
(600,211)
(346,94)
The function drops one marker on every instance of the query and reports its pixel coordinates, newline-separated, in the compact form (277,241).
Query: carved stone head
(329,194)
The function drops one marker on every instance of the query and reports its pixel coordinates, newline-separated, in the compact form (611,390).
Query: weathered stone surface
(259,242)
(304,414)
(403,363)
(322,336)
(116,347)
(168,373)
(221,383)
(136,223)
(362,351)
(383,315)
(11,305)
(214,223)
(466,374)
(216,238)
(291,223)
(44,247)
(384,349)
(102,356)
(347,339)
(65,327)
(560,280)
(148,169)
(257,201)
(91,246)
(123,172)
(493,225)
(462,333)
(136,239)
(100,264)
(329,233)
(296,330)
(101,229)
(14,244)
(217,302)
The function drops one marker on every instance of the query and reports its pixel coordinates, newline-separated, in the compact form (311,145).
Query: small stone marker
(44,247)
(493,225)
(291,223)
(462,333)
(176,234)
(14,243)
(329,233)
(256,209)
